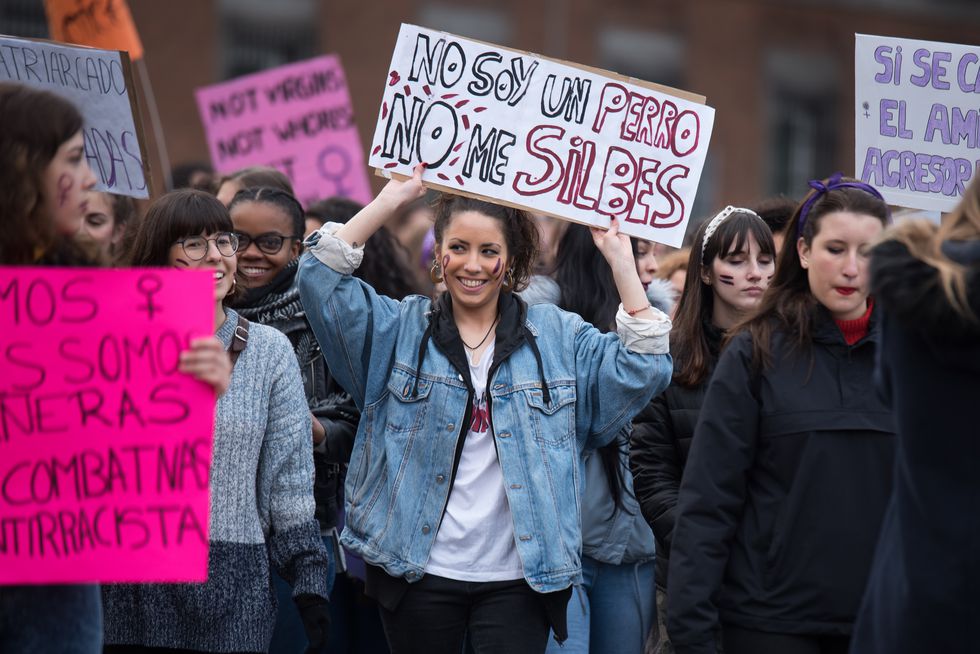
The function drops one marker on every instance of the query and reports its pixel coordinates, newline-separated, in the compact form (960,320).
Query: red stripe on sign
(376,149)
(391,165)
(441,176)
(466,121)
(479,109)
(459,180)
(461,103)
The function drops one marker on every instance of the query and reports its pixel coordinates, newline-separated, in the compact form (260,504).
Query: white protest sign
(98,83)
(916,125)
(552,137)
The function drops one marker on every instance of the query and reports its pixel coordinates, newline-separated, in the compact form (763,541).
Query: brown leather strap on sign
(238,341)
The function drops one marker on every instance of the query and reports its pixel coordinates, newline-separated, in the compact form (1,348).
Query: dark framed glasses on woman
(270,242)
(196,247)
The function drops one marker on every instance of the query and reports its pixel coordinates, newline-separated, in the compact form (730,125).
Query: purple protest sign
(297,118)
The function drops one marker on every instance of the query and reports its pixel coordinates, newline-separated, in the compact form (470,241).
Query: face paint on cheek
(496,267)
(726,279)
(182,263)
(445,262)
(65,183)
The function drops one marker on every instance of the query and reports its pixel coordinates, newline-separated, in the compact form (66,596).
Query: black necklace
(483,340)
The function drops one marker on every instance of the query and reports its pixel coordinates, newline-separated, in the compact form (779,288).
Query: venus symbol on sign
(148,285)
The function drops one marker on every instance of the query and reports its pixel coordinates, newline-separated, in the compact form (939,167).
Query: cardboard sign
(96,23)
(105,448)
(917,128)
(549,136)
(297,118)
(98,83)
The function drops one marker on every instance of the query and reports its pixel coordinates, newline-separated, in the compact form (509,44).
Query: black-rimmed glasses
(196,247)
(270,243)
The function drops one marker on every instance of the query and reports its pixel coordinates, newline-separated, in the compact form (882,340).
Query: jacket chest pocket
(407,403)
(552,422)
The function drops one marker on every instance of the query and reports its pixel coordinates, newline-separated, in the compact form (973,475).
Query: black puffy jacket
(922,593)
(784,491)
(659,446)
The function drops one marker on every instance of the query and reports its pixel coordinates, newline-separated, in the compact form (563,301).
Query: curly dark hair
(519,230)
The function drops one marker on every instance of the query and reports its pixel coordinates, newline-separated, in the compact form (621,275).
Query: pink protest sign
(297,118)
(104,447)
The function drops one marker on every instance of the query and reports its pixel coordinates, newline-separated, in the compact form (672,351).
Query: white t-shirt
(475,541)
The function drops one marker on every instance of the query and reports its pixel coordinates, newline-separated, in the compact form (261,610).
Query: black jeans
(747,641)
(436,614)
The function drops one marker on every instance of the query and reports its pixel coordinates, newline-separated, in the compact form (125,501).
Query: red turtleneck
(855,330)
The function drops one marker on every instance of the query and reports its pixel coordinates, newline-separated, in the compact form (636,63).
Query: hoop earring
(508,283)
(435,272)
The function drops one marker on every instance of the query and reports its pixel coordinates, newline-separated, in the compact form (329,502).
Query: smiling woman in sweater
(261,481)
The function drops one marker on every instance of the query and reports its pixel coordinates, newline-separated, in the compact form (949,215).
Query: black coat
(659,446)
(924,590)
(784,491)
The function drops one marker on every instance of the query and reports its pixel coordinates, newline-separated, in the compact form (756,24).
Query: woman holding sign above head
(791,462)
(464,487)
(261,481)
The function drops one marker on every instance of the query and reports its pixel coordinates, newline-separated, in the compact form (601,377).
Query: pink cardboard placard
(297,118)
(105,448)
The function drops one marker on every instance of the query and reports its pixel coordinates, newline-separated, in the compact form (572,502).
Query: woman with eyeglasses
(262,509)
(269,223)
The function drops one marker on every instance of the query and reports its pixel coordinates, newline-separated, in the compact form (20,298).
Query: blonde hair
(924,242)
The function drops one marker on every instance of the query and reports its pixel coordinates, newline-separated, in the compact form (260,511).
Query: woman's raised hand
(399,192)
(396,194)
(614,246)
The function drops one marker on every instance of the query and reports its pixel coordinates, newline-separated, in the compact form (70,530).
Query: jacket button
(426,529)
(525,537)
(440,478)
(498,387)
(450,427)
(504,434)
(459,377)
(516,486)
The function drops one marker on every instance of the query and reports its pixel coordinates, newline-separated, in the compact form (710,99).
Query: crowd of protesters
(445,425)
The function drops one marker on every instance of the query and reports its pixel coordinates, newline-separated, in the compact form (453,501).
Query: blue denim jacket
(398,481)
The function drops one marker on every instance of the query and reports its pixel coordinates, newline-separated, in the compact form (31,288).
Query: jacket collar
(826,331)
(510,334)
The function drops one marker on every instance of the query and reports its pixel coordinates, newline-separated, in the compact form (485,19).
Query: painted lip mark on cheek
(65,183)
(726,279)
(496,267)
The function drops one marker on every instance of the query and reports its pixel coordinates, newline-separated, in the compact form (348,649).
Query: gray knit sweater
(261,511)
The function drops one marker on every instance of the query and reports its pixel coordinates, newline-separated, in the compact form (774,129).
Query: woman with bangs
(261,478)
(790,467)
(730,266)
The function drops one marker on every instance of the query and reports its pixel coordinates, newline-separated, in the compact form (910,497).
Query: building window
(802,107)
(480,23)
(258,35)
(23,18)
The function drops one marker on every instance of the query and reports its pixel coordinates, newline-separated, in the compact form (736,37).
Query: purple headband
(834,182)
